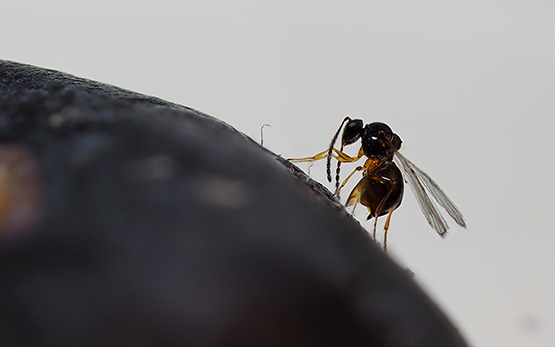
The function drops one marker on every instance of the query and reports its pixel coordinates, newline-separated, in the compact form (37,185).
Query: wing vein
(428,208)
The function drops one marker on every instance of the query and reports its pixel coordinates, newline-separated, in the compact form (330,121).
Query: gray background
(469,86)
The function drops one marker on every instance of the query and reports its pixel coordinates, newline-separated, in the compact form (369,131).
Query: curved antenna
(330,150)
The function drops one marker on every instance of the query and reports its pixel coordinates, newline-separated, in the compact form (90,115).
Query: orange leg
(358,168)
(386,227)
(379,209)
(354,198)
(342,157)
(318,156)
(382,203)
(348,159)
(375,223)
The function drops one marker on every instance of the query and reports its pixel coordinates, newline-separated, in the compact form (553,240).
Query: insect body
(381,187)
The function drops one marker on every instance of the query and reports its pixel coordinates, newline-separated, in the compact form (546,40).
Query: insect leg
(358,168)
(385,228)
(393,185)
(345,158)
(375,224)
(321,155)
(342,157)
(381,205)
(369,165)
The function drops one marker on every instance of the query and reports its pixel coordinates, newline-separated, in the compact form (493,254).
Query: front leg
(340,156)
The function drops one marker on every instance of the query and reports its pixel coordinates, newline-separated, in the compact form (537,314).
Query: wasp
(381,187)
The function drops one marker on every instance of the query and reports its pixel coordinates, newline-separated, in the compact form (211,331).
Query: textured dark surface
(161,226)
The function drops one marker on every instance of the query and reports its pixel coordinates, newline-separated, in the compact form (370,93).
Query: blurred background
(469,87)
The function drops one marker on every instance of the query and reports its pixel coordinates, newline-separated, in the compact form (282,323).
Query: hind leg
(385,228)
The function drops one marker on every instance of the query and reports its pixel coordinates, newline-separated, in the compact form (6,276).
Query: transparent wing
(439,195)
(419,181)
(356,194)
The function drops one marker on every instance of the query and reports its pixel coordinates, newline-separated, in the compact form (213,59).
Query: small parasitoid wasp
(381,187)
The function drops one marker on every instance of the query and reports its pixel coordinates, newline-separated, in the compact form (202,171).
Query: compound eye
(352,131)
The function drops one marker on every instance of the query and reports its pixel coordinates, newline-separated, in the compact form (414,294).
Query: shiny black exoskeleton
(381,187)
(377,139)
